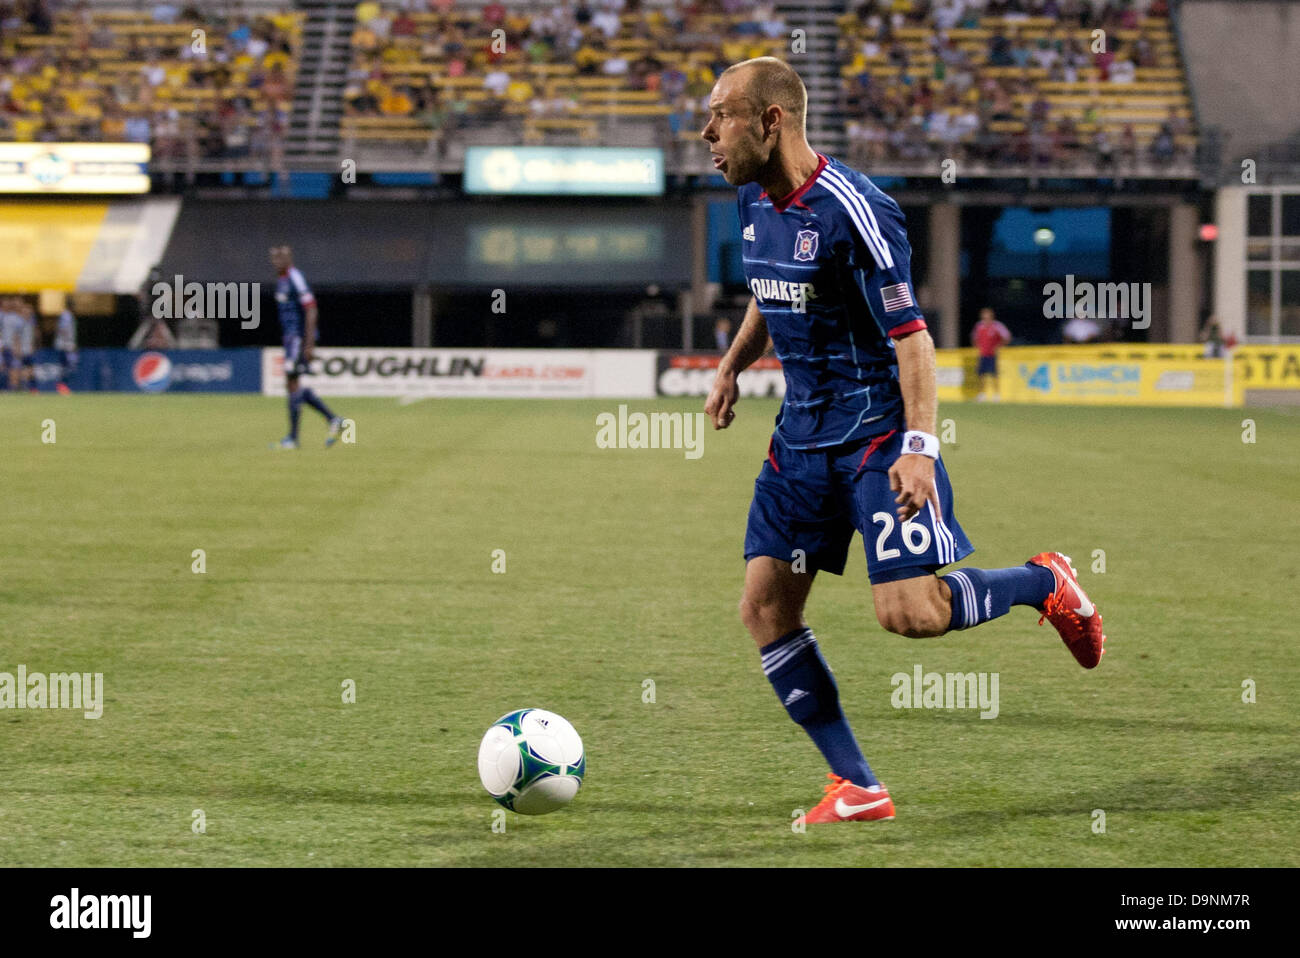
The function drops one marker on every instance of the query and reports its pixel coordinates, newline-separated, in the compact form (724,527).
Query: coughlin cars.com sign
(485,373)
(72,168)
(564,171)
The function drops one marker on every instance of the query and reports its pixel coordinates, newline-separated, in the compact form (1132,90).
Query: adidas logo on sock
(988,605)
(794,696)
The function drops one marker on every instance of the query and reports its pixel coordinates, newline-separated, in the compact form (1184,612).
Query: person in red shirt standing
(989,336)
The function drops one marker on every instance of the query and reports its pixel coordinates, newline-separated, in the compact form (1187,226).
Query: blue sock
(979,595)
(311,399)
(295,412)
(805,686)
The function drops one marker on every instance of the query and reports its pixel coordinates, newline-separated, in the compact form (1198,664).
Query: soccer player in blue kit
(827,259)
(297,309)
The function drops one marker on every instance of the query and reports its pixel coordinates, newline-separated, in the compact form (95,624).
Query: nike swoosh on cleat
(1084,603)
(844,810)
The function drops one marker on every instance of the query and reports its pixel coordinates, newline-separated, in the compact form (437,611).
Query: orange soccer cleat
(1070,610)
(846,802)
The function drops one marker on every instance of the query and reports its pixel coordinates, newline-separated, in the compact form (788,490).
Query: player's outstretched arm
(750,344)
(912,475)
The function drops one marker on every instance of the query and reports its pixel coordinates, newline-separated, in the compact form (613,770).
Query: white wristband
(920,443)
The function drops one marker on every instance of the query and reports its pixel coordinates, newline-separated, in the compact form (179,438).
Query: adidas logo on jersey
(748,232)
(794,696)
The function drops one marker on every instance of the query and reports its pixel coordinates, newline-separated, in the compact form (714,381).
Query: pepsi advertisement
(153,371)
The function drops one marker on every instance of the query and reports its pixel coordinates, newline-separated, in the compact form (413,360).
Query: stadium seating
(1111,90)
(201,83)
(623,78)
(911,82)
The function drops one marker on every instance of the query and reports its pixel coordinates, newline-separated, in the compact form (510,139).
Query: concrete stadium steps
(313,135)
(819,66)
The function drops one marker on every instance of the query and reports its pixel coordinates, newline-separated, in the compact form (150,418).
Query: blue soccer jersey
(829,266)
(292,297)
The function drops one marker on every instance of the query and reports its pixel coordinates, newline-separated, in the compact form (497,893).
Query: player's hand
(308,354)
(720,406)
(912,477)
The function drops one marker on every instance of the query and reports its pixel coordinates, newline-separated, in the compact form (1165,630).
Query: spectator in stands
(1068,143)
(519,91)
(999,54)
(236,134)
(948,14)
(112,125)
(672,82)
(165,13)
(496,81)
(404,25)
(239,35)
(1040,109)
(1042,141)
(560,105)
(396,102)
(1103,149)
(366,11)
(1123,69)
(1045,55)
(607,21)
(1144,53)
(1177,124)
(614,65)
(153,72)
(1162,146)
(137,129)
(167,134)
(1102,60)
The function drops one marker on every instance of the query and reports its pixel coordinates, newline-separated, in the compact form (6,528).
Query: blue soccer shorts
(293,361)
(808,503)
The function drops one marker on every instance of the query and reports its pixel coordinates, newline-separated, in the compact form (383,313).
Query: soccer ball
(531,761)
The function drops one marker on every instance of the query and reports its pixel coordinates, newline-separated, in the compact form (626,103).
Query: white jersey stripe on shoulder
(878,252)
(837,189)
(871,217)
(855,196)
(871,229)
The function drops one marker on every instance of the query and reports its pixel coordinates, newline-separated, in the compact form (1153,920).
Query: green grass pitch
(373,563)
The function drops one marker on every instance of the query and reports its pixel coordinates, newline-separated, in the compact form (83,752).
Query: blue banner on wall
(150,371)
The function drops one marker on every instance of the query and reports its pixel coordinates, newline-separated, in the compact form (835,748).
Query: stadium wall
(1241,58)
(485,244)
(1115,374)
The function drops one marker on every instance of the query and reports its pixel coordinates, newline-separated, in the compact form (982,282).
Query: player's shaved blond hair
(769,81)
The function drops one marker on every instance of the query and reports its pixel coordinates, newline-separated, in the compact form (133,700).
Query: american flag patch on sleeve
(896,297)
